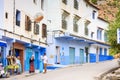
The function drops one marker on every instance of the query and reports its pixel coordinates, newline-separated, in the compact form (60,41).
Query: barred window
(36,28)
(76,4)
(86,27)
(75,23)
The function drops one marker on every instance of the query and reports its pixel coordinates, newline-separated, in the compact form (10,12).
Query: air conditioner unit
(67,34)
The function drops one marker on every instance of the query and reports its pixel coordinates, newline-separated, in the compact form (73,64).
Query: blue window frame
(18,14)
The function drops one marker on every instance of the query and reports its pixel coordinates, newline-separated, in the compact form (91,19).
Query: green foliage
(94,1)
(112,35)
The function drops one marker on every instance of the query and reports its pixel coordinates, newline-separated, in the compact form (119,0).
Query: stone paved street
(88,71)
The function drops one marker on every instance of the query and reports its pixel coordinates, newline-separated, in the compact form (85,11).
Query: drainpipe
(13,26)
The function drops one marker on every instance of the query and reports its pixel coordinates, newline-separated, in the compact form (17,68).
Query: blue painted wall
(101,57)
(28,54)
(92,57)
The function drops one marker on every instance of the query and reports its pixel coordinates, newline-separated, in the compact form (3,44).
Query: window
(93,14)
(36,28)
(76,4)
(6,15)
(64,1)
(18,14)
(86,27)
(64,24)
(35,1)
(42,4)
(105,36)
(64,19)
(99,34)
(75,25)
(92,33)
(86,30)
(27,23)
(44,31)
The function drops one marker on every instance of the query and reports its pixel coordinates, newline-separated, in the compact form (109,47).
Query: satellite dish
(38,17)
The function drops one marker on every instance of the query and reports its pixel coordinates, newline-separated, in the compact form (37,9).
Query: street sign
(118,35)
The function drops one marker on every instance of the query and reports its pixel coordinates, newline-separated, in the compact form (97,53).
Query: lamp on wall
(38,17)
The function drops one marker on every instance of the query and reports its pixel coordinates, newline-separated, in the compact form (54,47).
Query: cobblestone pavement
(87,71)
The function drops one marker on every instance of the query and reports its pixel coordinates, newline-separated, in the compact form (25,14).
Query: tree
(112,35)
(94,1)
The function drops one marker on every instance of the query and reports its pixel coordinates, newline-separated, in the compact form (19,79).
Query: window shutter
(27,23)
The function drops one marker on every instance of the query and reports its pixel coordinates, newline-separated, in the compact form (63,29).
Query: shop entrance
(19,51)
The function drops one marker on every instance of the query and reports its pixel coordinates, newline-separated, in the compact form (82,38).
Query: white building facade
(23,30)
(75,33)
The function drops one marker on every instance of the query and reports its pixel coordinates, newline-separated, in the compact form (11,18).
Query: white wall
(53,14)
(26,7)
(64,47)
(1,12)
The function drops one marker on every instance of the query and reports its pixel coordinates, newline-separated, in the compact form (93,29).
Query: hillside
(108,8)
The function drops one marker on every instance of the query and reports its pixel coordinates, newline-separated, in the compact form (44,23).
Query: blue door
(72,55)
(81,56)
(36,63)
(28,56)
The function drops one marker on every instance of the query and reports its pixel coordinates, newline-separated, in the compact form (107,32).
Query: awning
(82,39)
(3,43)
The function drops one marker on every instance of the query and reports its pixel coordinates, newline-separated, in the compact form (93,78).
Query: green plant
(94,1)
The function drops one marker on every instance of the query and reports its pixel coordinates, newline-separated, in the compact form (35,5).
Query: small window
(64,19)
(99,34)
(6,15)
(86,28)
(35,1)
(92,33)
(36,28)
(44,30)
(76,4)
(27,23)
(75,25)
(105,36)
(18,14)
(93,14)
(64,1)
